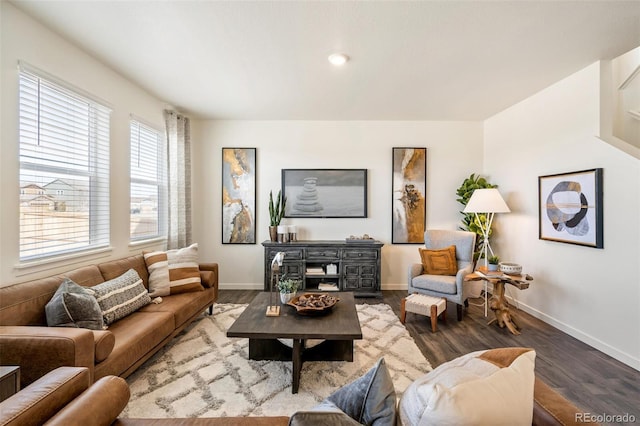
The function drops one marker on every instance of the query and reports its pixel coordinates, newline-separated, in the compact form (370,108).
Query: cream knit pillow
(493,387)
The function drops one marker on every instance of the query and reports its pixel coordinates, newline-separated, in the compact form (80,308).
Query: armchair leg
(459,310)
(466,303)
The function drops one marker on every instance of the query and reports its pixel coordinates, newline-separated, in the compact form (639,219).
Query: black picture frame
(239,195)
(570,207)
(408,196)
(325,193)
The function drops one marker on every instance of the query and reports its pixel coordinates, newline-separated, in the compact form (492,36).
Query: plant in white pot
(493,262)
(276,213)
(288,288)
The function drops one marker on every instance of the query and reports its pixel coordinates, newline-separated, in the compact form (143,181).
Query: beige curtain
(179,180)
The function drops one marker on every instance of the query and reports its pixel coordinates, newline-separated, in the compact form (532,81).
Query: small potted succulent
(493,262)
(288,288)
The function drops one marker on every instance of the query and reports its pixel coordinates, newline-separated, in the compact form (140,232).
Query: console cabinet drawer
(320,254)
(360,254)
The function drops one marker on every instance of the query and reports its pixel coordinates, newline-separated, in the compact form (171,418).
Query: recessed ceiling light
(338,59)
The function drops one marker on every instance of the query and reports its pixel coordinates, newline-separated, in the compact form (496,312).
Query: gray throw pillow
(121,296)
(73,306)
(369,400)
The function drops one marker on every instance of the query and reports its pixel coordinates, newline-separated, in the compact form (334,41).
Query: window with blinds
(64,169)
(146,182)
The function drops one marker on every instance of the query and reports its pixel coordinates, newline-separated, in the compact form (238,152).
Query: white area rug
(202,373)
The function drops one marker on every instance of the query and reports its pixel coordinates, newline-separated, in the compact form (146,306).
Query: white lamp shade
(486,200)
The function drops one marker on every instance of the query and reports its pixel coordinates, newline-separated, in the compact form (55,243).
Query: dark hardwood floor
(589,378)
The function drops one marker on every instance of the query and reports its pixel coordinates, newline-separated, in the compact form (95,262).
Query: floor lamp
(487,201)
(276,264)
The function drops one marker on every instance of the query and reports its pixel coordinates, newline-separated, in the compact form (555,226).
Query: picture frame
(409,201)
(325,193)
(570,208)
(239,195)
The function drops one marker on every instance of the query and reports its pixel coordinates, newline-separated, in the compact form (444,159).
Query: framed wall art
(409,203)
(325,193)
(238,195)
(570,208)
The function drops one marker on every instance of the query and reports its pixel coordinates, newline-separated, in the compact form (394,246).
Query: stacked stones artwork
(307,200)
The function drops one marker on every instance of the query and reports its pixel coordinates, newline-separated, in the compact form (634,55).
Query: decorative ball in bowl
(313,303)
(510,268)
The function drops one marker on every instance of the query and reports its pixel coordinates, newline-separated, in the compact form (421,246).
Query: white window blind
(147,199)
(64,170)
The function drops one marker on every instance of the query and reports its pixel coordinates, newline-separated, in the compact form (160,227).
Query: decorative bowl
(510,268)
(313,303)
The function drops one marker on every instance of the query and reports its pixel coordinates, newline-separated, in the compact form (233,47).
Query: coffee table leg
(296,358)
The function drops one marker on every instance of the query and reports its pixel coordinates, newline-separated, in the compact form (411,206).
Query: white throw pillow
(485,387)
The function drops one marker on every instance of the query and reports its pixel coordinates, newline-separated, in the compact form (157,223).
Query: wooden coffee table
(339,328)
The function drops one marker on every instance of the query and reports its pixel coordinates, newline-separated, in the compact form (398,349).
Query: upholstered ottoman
(422,304)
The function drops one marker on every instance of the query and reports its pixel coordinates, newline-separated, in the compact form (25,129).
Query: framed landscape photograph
(325,193)
(570,208)
(409,202)
(238,195)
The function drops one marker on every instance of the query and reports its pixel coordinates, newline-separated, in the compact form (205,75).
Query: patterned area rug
(202,373)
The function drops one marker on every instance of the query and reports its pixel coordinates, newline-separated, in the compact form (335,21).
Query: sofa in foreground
(27,341)
(66,397)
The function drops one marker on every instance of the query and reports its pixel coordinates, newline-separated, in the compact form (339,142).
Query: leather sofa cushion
(39,401)
(104,343)
(115,268)
(87,276)
(183,306)
(99,405)
(135,335)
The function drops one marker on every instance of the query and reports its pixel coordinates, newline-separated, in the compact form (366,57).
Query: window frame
(38,162)
(159,182)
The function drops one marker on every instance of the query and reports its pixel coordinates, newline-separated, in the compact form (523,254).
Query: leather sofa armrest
(42,399)
(38,350)
(551,408)
(99,405)
(209,274)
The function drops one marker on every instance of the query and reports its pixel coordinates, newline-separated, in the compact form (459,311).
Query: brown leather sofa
(25,339)
(65,397)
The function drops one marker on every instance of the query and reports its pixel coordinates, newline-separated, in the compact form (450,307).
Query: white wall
(592,294)
(24,39)
(454,151)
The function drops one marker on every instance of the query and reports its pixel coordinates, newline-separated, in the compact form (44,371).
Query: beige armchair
(448,286)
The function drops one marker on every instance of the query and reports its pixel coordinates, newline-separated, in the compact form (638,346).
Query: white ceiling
(410,60)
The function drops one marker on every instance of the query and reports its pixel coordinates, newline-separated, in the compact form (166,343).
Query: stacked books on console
(328,287)
(313,270)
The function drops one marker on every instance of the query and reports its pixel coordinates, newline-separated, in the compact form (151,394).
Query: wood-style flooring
(589,378)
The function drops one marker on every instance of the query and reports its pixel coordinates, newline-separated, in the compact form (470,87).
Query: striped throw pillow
(121,296)
(173,271)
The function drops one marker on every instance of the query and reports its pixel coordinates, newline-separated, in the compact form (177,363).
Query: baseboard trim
(596,343)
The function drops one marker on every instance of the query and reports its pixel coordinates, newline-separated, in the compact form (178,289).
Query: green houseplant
(470,222)
(493,262)
(288,288)
(276,213)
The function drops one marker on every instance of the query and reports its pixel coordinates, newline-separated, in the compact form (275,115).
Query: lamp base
(273,311)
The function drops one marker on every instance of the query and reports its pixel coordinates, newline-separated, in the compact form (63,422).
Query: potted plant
(276,213)
(288,288)
(470,221)
(493,262)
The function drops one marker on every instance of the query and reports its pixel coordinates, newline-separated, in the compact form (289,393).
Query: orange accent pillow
(439,262)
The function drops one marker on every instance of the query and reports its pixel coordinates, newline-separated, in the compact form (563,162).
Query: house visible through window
(64,169)
(147,189)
